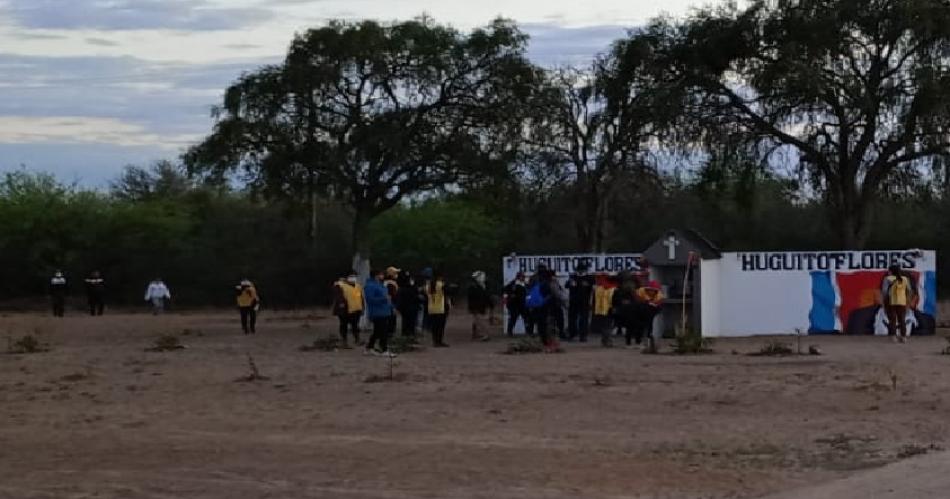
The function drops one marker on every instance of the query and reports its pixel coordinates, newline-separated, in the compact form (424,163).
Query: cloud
(189,15)
(84,130)
(554,45)
(102,42)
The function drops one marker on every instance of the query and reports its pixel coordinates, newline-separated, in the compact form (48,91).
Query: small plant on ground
(946,349)
(529,345)
(691,343)
(328,344)
(255,373)
(775,349)
(405,344)
(26,345)
(914,450)
(166,343)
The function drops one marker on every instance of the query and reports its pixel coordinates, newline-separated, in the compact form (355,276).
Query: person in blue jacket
(379,310)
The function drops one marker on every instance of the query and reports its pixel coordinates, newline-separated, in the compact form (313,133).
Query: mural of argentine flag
(850,302)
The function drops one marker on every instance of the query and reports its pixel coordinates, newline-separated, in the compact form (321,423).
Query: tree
(371,114)
(857,91)
(162,180)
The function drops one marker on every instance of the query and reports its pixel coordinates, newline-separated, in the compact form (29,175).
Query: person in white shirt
(157,293)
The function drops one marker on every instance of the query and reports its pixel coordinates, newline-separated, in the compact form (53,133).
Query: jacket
(247,296)
(580,288)
(479,300)
(378,304)
(436,302)
(157,290)
(348,298)
(516,293)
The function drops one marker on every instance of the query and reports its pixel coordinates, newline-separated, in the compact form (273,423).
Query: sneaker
(902,339)
(367,351)
(483,339)
(388,354)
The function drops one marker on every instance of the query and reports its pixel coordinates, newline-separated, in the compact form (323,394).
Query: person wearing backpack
(539,304)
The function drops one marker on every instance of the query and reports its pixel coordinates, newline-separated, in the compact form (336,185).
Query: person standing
(248,303)
(437,309)
(157,294)
(625,308)
(649,302)
(348,306)
(392,289)
(898,292)
(408,303)
(479,306)
(95,293)
(539,304)
(580,287)
(603,310)
(58,288)
(515,294)
(379,309)
(558,306)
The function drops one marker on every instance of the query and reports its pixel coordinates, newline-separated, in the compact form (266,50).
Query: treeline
(814,124)
(201,240)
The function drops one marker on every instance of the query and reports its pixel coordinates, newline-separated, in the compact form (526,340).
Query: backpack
(535,298)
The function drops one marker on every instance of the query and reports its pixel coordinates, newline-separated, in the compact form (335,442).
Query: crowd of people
(605,305)
(623,305)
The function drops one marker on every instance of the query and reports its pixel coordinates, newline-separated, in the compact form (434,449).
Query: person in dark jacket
(515,295)
(580,287)
(96,293)
(479,305)
(408,303)
(379,309)
(57,291)
(626,308)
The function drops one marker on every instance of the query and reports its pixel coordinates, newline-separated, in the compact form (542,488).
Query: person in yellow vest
(898,291)
(437,309)
(248,303)
(603,308)
(348,306)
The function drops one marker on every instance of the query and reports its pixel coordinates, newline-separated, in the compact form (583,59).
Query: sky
(89,86)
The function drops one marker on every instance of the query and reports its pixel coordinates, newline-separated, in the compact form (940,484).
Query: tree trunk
(313,217)
(851,216)
(361,245)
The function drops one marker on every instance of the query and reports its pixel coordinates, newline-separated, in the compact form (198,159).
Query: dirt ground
(100,417)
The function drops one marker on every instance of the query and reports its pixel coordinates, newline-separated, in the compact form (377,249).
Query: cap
(392,272)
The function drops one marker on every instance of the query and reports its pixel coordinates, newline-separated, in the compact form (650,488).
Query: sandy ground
(100,417)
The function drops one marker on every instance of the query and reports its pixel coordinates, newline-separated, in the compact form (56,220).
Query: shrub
(328,344)
(524,346)
(26,345)
(166,343)
(775,349)
(691,343)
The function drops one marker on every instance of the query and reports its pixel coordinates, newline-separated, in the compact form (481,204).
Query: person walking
(580,287)
(515,294)
(898,291)
(379,309)
(479,306)
(392,289)
(649,302)
(437,309)
(58,288)
(95,293)
(348,306)
(248,303)
(603,309)
(408,303)
(157,294)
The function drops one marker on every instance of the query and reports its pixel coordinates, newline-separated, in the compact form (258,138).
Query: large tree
(371,114)
(857,92)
